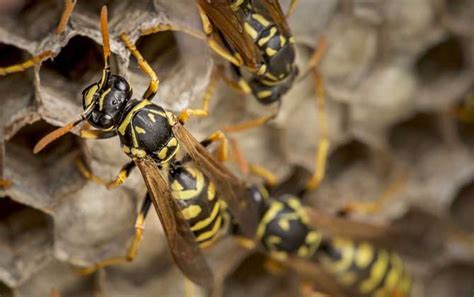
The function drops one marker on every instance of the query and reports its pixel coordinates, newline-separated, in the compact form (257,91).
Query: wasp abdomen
(146,129)
(199,203)
(361,267)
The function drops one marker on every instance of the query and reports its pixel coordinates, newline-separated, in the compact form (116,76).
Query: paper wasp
(152,136)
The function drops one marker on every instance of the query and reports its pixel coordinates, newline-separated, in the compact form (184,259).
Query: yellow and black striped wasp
(152,136)
(335,256)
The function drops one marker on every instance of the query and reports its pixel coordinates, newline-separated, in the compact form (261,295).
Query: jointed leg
(222,150)
(120,179)
(133,249)
(242,126)
(204,110)
(307,290)
(154,82)
(323,146)
(27,64)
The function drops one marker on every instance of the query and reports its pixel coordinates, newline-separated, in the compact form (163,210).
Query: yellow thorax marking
(151,117)
(250,31)
(131,113)
(265,39)
(191,211)
(259,18)
(269,215)
(140,130)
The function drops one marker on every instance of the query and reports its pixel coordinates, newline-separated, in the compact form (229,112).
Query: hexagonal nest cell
(390,114)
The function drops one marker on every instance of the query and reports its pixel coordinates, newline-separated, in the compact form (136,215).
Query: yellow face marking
(152,117)
(282,41)
(211,191)
(140,130)
(364,255)
(102,99)
(376,273)
(270,35)
(171,118)
(90,95)
(163,153)
(275,207)
(191,211)
(131,113)
(259,18)
(270,52)
(264,94)
(250,31)
(209,234)
(207,221)
(191,193)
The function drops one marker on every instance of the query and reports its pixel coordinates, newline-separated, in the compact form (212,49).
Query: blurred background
(399,81)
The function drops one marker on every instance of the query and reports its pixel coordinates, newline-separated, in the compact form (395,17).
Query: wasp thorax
(109,99)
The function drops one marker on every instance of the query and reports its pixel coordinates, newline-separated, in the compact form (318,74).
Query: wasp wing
(182,243)
(232,190)
(274,9)
(230,24)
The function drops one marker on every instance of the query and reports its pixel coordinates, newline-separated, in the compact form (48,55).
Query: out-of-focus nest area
(394,73)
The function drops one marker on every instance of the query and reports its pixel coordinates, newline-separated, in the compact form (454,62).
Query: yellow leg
(204,110)
(213,44)
(133,248)
(238,157)
(376,205)
(27,64)
(242,126)
(269,178)
(5,184)
(68,8)
(145,67)
(323,146)
(222,150)
(119,179)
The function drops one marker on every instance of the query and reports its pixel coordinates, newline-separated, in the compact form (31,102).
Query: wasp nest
(393,71)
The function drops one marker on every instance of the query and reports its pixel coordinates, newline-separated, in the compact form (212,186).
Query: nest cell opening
(442,60)
(5,291)
(17,88)
(32,19)
(346,155)
(78,64)
(416,135)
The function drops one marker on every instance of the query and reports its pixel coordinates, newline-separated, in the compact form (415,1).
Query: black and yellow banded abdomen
(360,267)
(199,202)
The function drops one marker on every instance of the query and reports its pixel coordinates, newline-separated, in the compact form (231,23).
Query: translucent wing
(181,240)
(274,9)
(230,24)
(232,190)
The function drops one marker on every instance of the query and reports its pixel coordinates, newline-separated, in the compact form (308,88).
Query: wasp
(335,254)
(152,137)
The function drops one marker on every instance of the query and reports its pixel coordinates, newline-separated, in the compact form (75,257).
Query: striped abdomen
(364,269)
(199,203)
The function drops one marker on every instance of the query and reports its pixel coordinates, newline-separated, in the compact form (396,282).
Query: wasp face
(109,100)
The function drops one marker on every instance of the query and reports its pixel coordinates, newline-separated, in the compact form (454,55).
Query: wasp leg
(27,64)
(5,183)
(145,67)
(133,248)
(323,146)
(242,126)
(291,8)
(307,290)
(376,205)
(119,179)
(204,110)
(269,178)
(222,150)
(68,8)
